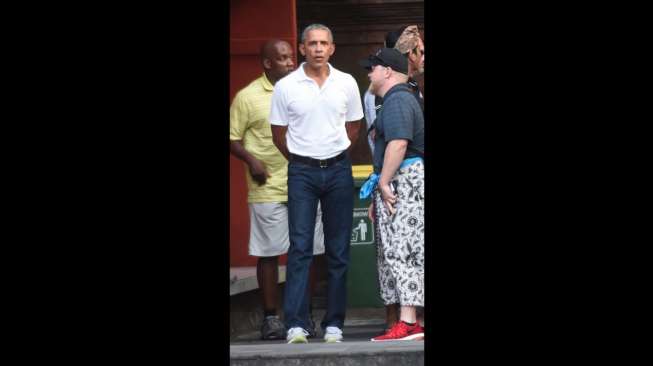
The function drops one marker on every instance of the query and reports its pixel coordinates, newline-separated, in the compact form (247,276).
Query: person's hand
(389,199)
(370,211)
(258,172)
(373,133)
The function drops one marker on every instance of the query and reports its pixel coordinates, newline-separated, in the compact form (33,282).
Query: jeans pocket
(293,168)
(344,163)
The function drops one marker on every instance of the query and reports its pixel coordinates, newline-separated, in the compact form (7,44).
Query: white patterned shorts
(400,240)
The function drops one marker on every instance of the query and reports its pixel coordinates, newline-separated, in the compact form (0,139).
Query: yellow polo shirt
(249,122)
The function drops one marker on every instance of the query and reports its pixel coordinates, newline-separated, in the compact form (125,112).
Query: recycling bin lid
(361,171)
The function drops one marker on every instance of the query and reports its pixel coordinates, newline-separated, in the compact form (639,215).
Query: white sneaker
(333,335)
(297,335)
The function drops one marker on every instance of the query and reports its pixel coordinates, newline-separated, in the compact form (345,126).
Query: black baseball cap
(389,57)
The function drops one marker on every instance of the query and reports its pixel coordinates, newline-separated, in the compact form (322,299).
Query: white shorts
(268,234)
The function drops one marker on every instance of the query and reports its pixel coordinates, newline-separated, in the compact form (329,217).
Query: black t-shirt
(400,117)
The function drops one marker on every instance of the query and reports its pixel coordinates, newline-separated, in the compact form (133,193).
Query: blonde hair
(408,40)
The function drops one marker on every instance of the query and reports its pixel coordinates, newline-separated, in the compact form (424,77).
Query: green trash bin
(362,283)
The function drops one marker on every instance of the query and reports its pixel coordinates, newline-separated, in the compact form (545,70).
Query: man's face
(317,48)
(282,63)
(377,75)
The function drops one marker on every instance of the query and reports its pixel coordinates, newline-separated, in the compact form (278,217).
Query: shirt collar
(303,75)
(267,85)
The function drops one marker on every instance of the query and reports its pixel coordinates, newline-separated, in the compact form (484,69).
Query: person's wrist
(251,160)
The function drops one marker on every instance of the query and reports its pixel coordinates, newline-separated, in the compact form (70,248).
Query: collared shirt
(316,116)
(248,121)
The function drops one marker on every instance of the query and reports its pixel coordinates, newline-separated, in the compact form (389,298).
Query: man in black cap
(407,41)
(398,203)
(372,103)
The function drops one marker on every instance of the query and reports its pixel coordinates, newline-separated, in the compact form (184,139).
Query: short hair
(392,37)
(314,27)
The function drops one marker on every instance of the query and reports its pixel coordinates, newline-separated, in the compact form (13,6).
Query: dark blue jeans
(334,188)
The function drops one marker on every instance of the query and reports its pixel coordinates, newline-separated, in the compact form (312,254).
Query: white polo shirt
(316,116)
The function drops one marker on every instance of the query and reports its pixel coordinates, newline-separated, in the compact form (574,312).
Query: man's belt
(317,162)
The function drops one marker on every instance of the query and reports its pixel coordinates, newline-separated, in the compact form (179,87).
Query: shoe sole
(332,340)
(272,337)
(298,339)
(416,336)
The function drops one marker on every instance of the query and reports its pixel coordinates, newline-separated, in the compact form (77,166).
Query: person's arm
(354,114)
(238,125)
(352,133)
(394,155)
(256,167)
(279,119)
(370,211)
(369,108)
(279,139)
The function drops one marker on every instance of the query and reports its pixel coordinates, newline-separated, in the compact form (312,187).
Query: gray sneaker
(311,328)
(272,328)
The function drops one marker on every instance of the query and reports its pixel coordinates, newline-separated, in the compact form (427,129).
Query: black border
(129,220)
(124,203)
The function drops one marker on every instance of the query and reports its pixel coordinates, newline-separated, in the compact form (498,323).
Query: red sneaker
(419,332)
(401,332)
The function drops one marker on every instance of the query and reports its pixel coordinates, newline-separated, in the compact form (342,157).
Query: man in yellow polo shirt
(251,141)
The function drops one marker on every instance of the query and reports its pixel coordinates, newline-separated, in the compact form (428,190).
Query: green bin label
(362,232)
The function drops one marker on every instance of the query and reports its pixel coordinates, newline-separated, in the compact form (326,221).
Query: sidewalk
(355,349)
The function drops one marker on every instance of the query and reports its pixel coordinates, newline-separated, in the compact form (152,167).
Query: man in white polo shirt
(267,178)
(315,116)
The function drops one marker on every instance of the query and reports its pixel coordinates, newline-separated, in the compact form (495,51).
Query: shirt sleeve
(397,120)
(370,110)
(354,105)
(278,109)
(238,120)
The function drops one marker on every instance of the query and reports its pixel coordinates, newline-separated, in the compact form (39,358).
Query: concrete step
(330,354)
(243,279)
(360,324)
(356,349)
(246,313)
(355,317)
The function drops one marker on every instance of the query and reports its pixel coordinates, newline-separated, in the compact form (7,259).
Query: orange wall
(252,22)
